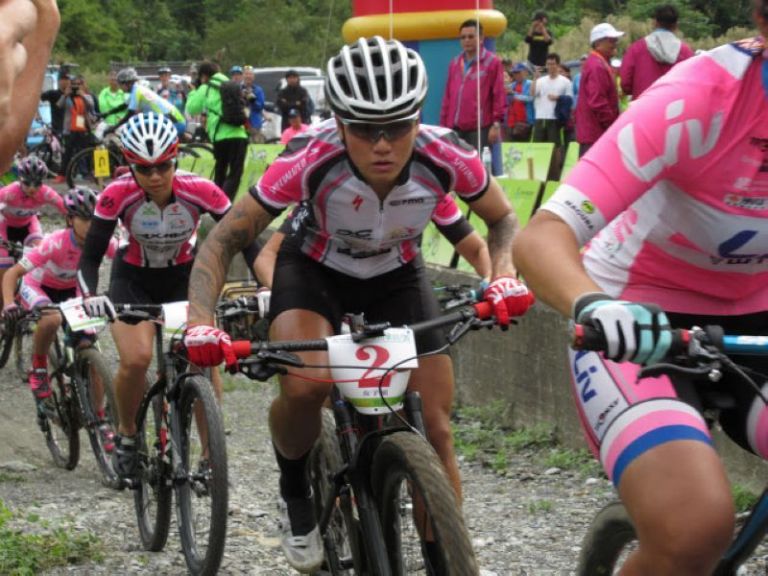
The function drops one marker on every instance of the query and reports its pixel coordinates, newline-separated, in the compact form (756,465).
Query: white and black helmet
(127,75)
(149,138)
(376,80)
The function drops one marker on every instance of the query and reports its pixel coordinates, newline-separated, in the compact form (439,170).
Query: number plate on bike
(360,369)
(77,318)
(175,318)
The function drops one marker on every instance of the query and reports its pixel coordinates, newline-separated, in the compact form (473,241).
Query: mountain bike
(702,354)
(96,165)
(181,447)
(74,365)
(50,150)
(381,494)
(197,157)
(8,329)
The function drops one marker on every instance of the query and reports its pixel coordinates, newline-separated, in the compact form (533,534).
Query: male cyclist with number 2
(372,178)
(673,201)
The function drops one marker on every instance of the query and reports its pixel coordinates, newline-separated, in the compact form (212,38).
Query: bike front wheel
(152,495)
(57,415)
(424,531)
(92,371)
(197,157)
(6,341)
(610,539)
(202,497)
(342,537)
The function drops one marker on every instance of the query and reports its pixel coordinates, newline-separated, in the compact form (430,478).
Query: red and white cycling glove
(208,346)
(509,297)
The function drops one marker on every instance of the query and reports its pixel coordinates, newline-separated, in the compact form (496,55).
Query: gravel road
(527,522)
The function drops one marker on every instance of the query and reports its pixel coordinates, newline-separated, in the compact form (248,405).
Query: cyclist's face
(80,227)
(156,180)
(382,161)
(30,188)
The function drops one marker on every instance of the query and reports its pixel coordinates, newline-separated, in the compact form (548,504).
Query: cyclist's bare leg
(679,499)
(45,333)
(433,380)
(294,417)
(134,347)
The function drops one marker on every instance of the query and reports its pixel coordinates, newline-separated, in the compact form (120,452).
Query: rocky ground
(528,520)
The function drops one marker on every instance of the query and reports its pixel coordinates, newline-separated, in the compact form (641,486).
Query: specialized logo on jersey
(700,143)
(357,202)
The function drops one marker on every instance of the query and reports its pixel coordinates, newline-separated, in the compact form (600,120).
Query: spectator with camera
(79,109)
(539,39)
(254,97)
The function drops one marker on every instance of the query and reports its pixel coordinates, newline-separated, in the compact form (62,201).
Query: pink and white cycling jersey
(674,196)
(18,209)
(349,229)
(53,262)
(160,237)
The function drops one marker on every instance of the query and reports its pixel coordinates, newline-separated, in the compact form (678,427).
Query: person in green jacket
(112,99)
(230,143)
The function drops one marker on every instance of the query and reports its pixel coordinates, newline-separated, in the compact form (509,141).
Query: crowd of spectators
(539,99)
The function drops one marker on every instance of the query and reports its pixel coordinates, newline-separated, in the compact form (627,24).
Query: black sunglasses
(147,169)
(372,132)
(32,183)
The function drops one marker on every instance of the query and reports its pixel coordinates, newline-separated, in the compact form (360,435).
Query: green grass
(480,436)
(9,478)
(26,550)
(540,506)
(743,498)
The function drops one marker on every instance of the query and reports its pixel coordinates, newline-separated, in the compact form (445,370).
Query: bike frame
(168,384)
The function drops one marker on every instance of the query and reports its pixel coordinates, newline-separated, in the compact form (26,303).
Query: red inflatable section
(370,7)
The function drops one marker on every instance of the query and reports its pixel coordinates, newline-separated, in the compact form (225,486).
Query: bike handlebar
(480,311)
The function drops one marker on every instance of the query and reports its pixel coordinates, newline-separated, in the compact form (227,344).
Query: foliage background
(305,32)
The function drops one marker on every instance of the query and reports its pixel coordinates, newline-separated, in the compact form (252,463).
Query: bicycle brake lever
(280,357)
(666,367)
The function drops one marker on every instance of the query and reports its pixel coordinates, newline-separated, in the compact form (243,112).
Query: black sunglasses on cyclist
(148,169)
(371,131)
(32,183)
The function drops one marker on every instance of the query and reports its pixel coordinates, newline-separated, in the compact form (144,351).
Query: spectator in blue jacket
(254,95)
(520,115)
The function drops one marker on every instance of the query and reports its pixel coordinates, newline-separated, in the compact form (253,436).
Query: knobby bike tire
(610,532)
(152,494)
(22,345)
(206,489)
(83,160)
(90,362)
(61,423)
(342,539)
(7,334)
(405,460)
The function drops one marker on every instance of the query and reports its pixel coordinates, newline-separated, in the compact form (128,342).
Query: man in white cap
(598,104)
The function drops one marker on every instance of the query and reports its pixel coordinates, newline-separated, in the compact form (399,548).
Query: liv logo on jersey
(582,376)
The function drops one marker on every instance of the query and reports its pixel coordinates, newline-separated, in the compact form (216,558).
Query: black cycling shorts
(402,296)
(733,420)
(17,234)
(131,284)
(58,295)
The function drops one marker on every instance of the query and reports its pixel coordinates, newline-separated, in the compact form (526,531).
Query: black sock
(295,490)
(294,480)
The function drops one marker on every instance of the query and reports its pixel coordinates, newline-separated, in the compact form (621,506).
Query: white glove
(262,298)
(99,306)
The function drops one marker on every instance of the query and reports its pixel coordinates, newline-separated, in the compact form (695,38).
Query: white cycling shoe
(304,553)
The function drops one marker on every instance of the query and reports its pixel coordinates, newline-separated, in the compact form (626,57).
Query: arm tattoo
(228,237)
(500,235)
